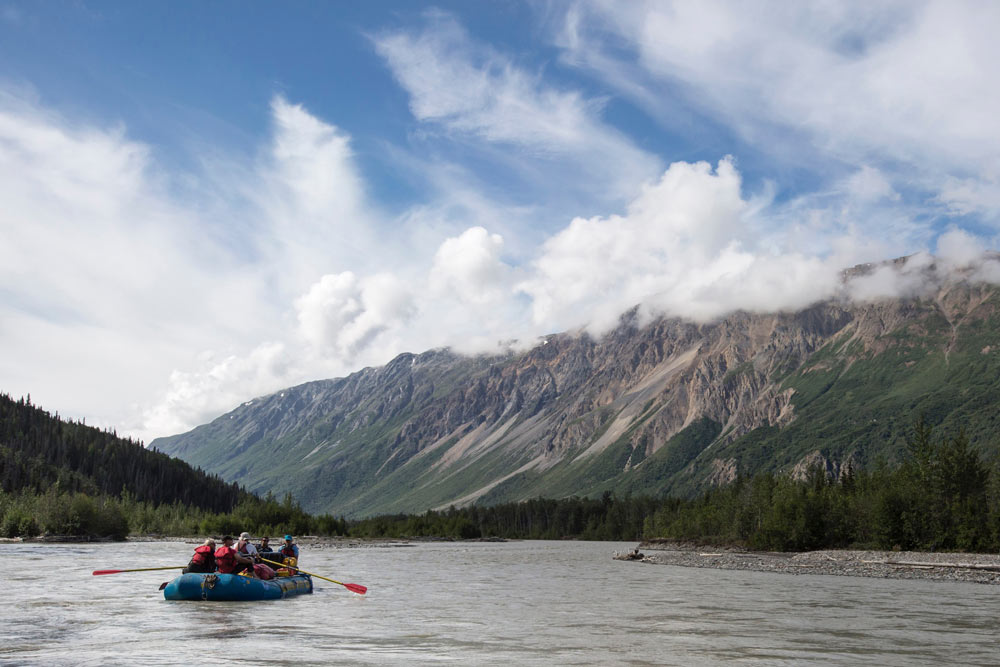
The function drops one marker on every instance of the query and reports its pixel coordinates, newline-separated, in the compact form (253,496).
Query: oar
(141,569)
(354,588)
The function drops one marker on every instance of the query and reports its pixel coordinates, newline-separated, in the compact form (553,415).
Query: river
(483,603)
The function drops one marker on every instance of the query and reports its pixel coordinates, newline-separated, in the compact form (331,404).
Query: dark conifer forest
(39,451)
(67,478)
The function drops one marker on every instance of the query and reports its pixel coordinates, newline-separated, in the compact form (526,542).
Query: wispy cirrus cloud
(477,94)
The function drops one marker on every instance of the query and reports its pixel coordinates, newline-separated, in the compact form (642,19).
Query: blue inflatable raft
(233,587)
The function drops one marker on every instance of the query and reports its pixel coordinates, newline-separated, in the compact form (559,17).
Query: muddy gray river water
(512,603)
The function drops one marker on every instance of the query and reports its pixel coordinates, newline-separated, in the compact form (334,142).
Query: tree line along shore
(64,478)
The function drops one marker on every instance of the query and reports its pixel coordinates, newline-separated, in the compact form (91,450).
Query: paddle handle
(140,569)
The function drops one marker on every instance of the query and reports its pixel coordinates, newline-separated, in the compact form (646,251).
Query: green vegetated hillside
(66,478)
(667,406)
(40,452)
(848,400)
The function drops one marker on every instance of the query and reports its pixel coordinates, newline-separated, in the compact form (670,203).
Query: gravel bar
(936,566)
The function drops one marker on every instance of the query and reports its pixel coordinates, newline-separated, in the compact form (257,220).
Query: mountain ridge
(660,406)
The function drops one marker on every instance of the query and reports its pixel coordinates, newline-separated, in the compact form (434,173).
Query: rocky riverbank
(955,567)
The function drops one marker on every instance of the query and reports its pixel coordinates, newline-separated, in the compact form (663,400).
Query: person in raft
(289,549)
(245,547)
(265,546)
(229,560)
(203,561)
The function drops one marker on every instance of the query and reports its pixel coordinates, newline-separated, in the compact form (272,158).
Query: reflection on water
(518,603)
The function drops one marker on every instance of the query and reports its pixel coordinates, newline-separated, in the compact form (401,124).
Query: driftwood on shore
(968,566)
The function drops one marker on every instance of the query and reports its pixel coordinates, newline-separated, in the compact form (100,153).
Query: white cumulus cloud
(686,246)
(469,267)
(342,314)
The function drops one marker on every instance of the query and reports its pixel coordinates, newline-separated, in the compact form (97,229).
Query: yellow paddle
(354,588)
(141,569)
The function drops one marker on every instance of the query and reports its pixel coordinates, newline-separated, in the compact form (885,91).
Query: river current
(510,603)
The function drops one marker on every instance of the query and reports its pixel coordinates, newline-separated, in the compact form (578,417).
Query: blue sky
(205,202)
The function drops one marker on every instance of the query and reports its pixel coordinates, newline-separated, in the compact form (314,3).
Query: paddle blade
(96,572)
(356,588)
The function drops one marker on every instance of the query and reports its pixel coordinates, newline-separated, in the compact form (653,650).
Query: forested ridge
(39,450)
(67,478)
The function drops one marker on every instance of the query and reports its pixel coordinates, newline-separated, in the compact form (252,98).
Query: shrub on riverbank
(77,514)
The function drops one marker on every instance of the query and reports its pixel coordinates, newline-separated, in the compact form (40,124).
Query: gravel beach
(954,567)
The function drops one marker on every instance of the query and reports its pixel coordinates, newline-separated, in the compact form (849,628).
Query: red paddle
(354,588)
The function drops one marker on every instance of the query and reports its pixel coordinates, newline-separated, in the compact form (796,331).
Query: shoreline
(312,541)
(954,567)
(933,566)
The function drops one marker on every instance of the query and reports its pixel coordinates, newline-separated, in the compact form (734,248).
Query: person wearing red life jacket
(203,560)
(229,560)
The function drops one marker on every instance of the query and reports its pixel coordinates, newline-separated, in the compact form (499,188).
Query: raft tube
(233,587)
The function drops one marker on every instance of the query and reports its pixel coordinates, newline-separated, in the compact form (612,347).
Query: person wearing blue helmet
(289,548)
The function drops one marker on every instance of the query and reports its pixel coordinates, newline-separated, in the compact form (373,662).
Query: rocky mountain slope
(667,406)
